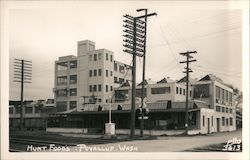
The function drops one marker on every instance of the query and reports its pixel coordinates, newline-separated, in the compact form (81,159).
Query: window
(61,92)
(107,73)
(62,80)
(121,95)
(111,73)
(90,88)
(115,80)
(99,72)
(230,111)
(230,98)
(212,120)
(73,92)
(231,121)
(100,100)
(94,88)
(227,96)
(90,73)
(62,66)
(190,93)
(72,79)
(218,108)
(72,104)
(203,120)
(61,106)
(223,121)
(221,90)
(223,94)
(115,66)
(107,57)
(226,110)
(73,64)
(217,93)
(95,57)
(111,58)
(95,73)
(10,110)
(107,88)
(121,69)
(28,109)
(99,56)
(184,92)
(180,90)
(111,88)
(107,101)
(177,89)
(37,109)
(90,100)
(161,90)
(201,91)
(223,109)
(18,109)
(90,57)
(99,87)
(227,121)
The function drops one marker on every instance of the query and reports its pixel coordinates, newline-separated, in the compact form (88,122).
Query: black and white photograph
(125,79)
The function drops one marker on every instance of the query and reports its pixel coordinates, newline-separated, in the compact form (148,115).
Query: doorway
(208,125)
(218,124)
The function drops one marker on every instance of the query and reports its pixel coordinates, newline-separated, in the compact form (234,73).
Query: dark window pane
(73,64)
(61,106)
(73,79)
(160,90)
(73,92)
(201,90)
(72,104)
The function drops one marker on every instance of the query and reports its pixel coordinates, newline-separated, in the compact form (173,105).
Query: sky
(42,34)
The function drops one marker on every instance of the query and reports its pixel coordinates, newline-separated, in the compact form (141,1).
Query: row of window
(95,72)
(224,121)
(63,92)
(182,91)
(27,110)
(62,80)
(224,109)
(62,66)
(95,57)
(94,100)
(95,88)
(203,121)
(223,94)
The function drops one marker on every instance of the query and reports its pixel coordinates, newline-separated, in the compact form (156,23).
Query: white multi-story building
(88,77)
(164,90)
(219,98)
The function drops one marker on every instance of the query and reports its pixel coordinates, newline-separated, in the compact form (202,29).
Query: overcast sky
(44,34)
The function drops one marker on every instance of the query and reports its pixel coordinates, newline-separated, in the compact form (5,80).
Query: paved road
(173,144)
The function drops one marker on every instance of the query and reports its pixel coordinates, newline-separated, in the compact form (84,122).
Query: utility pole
(188,60)
(143,70)
(135,34)
(22,74)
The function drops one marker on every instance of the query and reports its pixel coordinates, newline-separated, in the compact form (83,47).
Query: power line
(237,72)
(206,70)
(167,42)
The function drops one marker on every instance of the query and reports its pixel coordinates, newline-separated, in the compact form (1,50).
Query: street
(176,144)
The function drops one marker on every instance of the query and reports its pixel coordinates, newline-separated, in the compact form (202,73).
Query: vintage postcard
(124,79)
